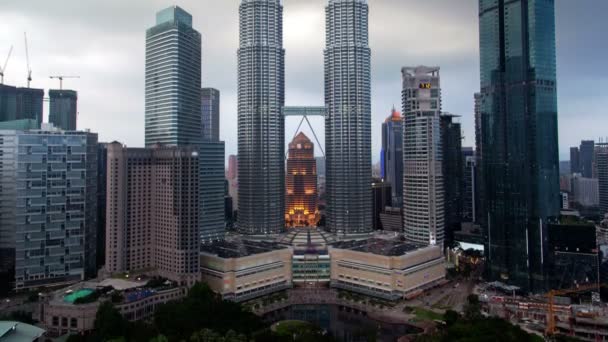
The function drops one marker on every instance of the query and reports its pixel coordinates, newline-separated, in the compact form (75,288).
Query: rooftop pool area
(71,297)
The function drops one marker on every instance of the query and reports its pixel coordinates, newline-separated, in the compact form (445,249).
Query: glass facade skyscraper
(423,190)
(261,125)
(48,205)
(210,114)
(63,109)
(348,118)
(20,103)
(392,155)
(519,136)
(586,154)
(453,174)
(173,80)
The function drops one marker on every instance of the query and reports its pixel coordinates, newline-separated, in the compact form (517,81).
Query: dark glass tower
(519,136)
(63,108)
(261,125)
(173,80)
(392,155)
(210,114)
(574,160)
(453,176)
(348,120)
(586,153)
(20,104)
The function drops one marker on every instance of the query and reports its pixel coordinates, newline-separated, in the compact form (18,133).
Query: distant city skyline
(109,59)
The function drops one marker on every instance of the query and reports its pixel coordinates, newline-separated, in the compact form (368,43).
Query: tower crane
(4,66)
(27,59)
(551,328)
(60,78)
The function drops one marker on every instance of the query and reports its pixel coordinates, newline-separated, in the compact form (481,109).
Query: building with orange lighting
(301,184)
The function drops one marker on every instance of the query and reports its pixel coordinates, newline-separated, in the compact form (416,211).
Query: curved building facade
(423,192)
(348,121)
(261,126)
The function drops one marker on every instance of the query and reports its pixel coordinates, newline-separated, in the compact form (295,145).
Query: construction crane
(4,66)
(27,59)
(60,78)
(551,328)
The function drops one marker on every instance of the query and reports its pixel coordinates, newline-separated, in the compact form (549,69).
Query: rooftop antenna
(27,58)
(4,66)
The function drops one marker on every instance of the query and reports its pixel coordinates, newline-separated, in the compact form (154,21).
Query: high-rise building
(261,125)
(574,160)
(48,206)
(210,114)
(63,111)
(382,198)
(348,120)
(519,136)
(102,174)
(392,155)
(585,190)
(586,154)
(211,187)
(173,80)
(469,176)
(453,174)
(480,216)
(153,211)
(601,172)
(232,167)
(301,184)
(20,103)
(423,189)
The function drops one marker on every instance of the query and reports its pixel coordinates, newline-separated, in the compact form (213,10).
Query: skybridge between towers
(305,112)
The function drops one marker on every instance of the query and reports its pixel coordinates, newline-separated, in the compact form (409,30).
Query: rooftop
(240,248)
(378,246)
(11,331)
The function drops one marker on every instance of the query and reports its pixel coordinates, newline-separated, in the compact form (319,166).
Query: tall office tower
(453,174)
(480,215)
(63,110)
(152,211)
(102,167)
(574,160)
(48,205)
(301,184)
(392,155)
(232,167)
(211,188)
(601,172)
(20,104)
(382,196)
(519,136)
(261,125)
(585,191)
(210,114)
(348,121)
(586,153)
(173,80)
(423,189)
(468,186)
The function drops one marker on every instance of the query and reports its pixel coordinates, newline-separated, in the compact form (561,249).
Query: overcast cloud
(103,42)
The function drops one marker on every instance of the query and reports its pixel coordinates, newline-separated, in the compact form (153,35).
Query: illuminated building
(301,184)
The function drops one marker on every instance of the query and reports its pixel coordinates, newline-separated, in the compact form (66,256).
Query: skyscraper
(423,190)
(480,215)
(392,155)
(348,120)
(210,114)
(519,136)
(261,125)
(601,171)
(48,205)
(469,200)
(173,80)
(586,154)
(63,109)
(211,189)
(301,184)
(20,103)
(453,174)
(574,160)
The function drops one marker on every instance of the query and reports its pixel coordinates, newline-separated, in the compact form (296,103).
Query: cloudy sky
(103,41)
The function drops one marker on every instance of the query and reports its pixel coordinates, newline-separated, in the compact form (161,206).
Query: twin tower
(261,121)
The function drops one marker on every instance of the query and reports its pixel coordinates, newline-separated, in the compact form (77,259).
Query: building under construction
(301,184)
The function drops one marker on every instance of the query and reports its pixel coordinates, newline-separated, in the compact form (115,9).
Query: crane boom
(27,59)
(60,78)
(5,64)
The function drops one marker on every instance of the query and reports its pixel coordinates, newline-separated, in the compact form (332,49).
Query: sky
(103,42)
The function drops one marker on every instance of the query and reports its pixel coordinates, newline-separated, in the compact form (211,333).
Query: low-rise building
(389,269)
(240,270)
(65,312)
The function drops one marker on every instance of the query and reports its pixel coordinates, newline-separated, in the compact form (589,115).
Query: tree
(159,338)
(109,323)
(472,310)
(450,317)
